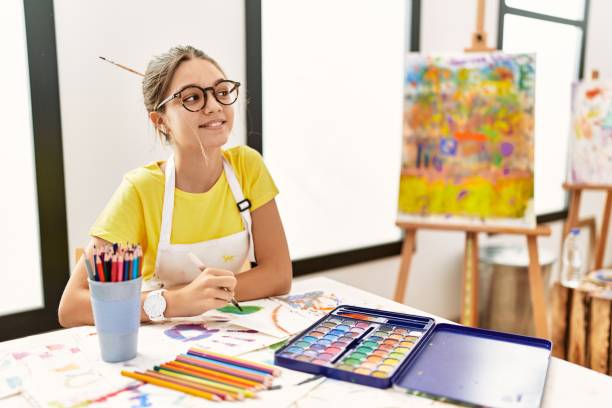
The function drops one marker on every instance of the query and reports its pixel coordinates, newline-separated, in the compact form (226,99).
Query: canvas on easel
(468,160)
(590,157)
(591,133)
(468,154)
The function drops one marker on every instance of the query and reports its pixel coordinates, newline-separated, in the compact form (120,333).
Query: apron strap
(243,205)
(166,221)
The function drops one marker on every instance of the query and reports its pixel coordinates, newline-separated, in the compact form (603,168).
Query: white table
(567,384)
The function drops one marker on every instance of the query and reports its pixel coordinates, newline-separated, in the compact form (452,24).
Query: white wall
(332,119)
(104,123)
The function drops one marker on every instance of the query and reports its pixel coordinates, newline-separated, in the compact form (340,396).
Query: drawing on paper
(468,139)
(315,300)
(189,332)
(591,133)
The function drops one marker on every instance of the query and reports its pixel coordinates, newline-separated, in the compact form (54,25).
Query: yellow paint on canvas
(474,197)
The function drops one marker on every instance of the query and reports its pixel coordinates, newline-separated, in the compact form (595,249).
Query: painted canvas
(591,134)
(468,148)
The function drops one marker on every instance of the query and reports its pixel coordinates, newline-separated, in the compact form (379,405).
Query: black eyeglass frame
(204,92)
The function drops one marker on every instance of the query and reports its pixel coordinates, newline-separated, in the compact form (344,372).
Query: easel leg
(469,303)
(536,289)
(603,237)
(572,212)
(402,278)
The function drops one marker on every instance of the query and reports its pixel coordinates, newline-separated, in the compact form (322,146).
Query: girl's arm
(273,273)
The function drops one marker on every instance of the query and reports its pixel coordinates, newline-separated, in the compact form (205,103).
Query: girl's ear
(160,128)
(156,119)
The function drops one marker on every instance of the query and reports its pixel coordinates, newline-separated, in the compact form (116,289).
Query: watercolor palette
(356,344)
(414,354)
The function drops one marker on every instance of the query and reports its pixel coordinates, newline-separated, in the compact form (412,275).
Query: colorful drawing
(181,332)
(234,310)
(468,139)
(316,300)
(591,135)
(276,322)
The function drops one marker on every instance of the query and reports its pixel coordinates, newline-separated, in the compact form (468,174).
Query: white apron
(173,266)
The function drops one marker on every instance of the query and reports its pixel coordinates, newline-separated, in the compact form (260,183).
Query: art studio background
(324,84)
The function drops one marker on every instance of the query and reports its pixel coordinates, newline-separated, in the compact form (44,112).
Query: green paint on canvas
(245,309)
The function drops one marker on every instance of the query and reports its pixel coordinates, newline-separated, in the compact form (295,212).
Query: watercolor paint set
(383,349)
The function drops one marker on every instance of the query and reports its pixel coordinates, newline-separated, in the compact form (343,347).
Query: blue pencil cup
(116,310)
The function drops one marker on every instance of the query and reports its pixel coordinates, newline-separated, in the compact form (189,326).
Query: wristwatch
(155,305)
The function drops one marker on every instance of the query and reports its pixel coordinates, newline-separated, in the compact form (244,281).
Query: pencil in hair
(122,66)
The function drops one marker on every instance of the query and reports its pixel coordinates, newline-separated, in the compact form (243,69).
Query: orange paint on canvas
(470,136)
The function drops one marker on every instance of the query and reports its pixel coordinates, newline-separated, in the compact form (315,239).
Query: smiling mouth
(213,124)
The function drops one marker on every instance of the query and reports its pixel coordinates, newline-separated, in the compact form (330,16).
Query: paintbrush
(201,265)
(122,66)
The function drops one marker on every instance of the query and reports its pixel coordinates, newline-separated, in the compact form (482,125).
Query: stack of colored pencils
(209,375)
(115,263)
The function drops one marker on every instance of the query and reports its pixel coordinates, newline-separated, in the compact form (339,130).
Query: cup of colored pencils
(209,375)
(115,279)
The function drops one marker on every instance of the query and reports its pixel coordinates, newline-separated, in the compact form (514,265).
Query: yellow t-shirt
(134,212)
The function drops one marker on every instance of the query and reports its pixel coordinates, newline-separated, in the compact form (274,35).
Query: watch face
(155,305)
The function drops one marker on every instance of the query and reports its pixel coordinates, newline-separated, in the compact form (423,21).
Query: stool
(504,279)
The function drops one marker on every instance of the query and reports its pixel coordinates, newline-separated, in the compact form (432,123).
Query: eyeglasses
(194,98)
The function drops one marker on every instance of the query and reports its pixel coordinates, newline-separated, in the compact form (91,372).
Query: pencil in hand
(201,265)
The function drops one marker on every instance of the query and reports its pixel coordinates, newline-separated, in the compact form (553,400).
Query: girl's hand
(212,289)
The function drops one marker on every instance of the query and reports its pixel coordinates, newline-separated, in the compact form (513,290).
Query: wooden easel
(575,191)
(469,303)
(479,37)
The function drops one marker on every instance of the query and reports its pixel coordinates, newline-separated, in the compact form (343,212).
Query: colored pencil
(227,378)
(120,267)
(127,262)
(237,372)
(206,371)
(101,275)
(235,360)
(233,391)
(229,365)
(104,259)
(114,272)
(223,394)
(115,263)
(212,376)
(170,385)
(90,272)
(140,261)
(135,268)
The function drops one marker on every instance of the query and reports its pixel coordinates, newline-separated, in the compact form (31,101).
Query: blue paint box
(412,353)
